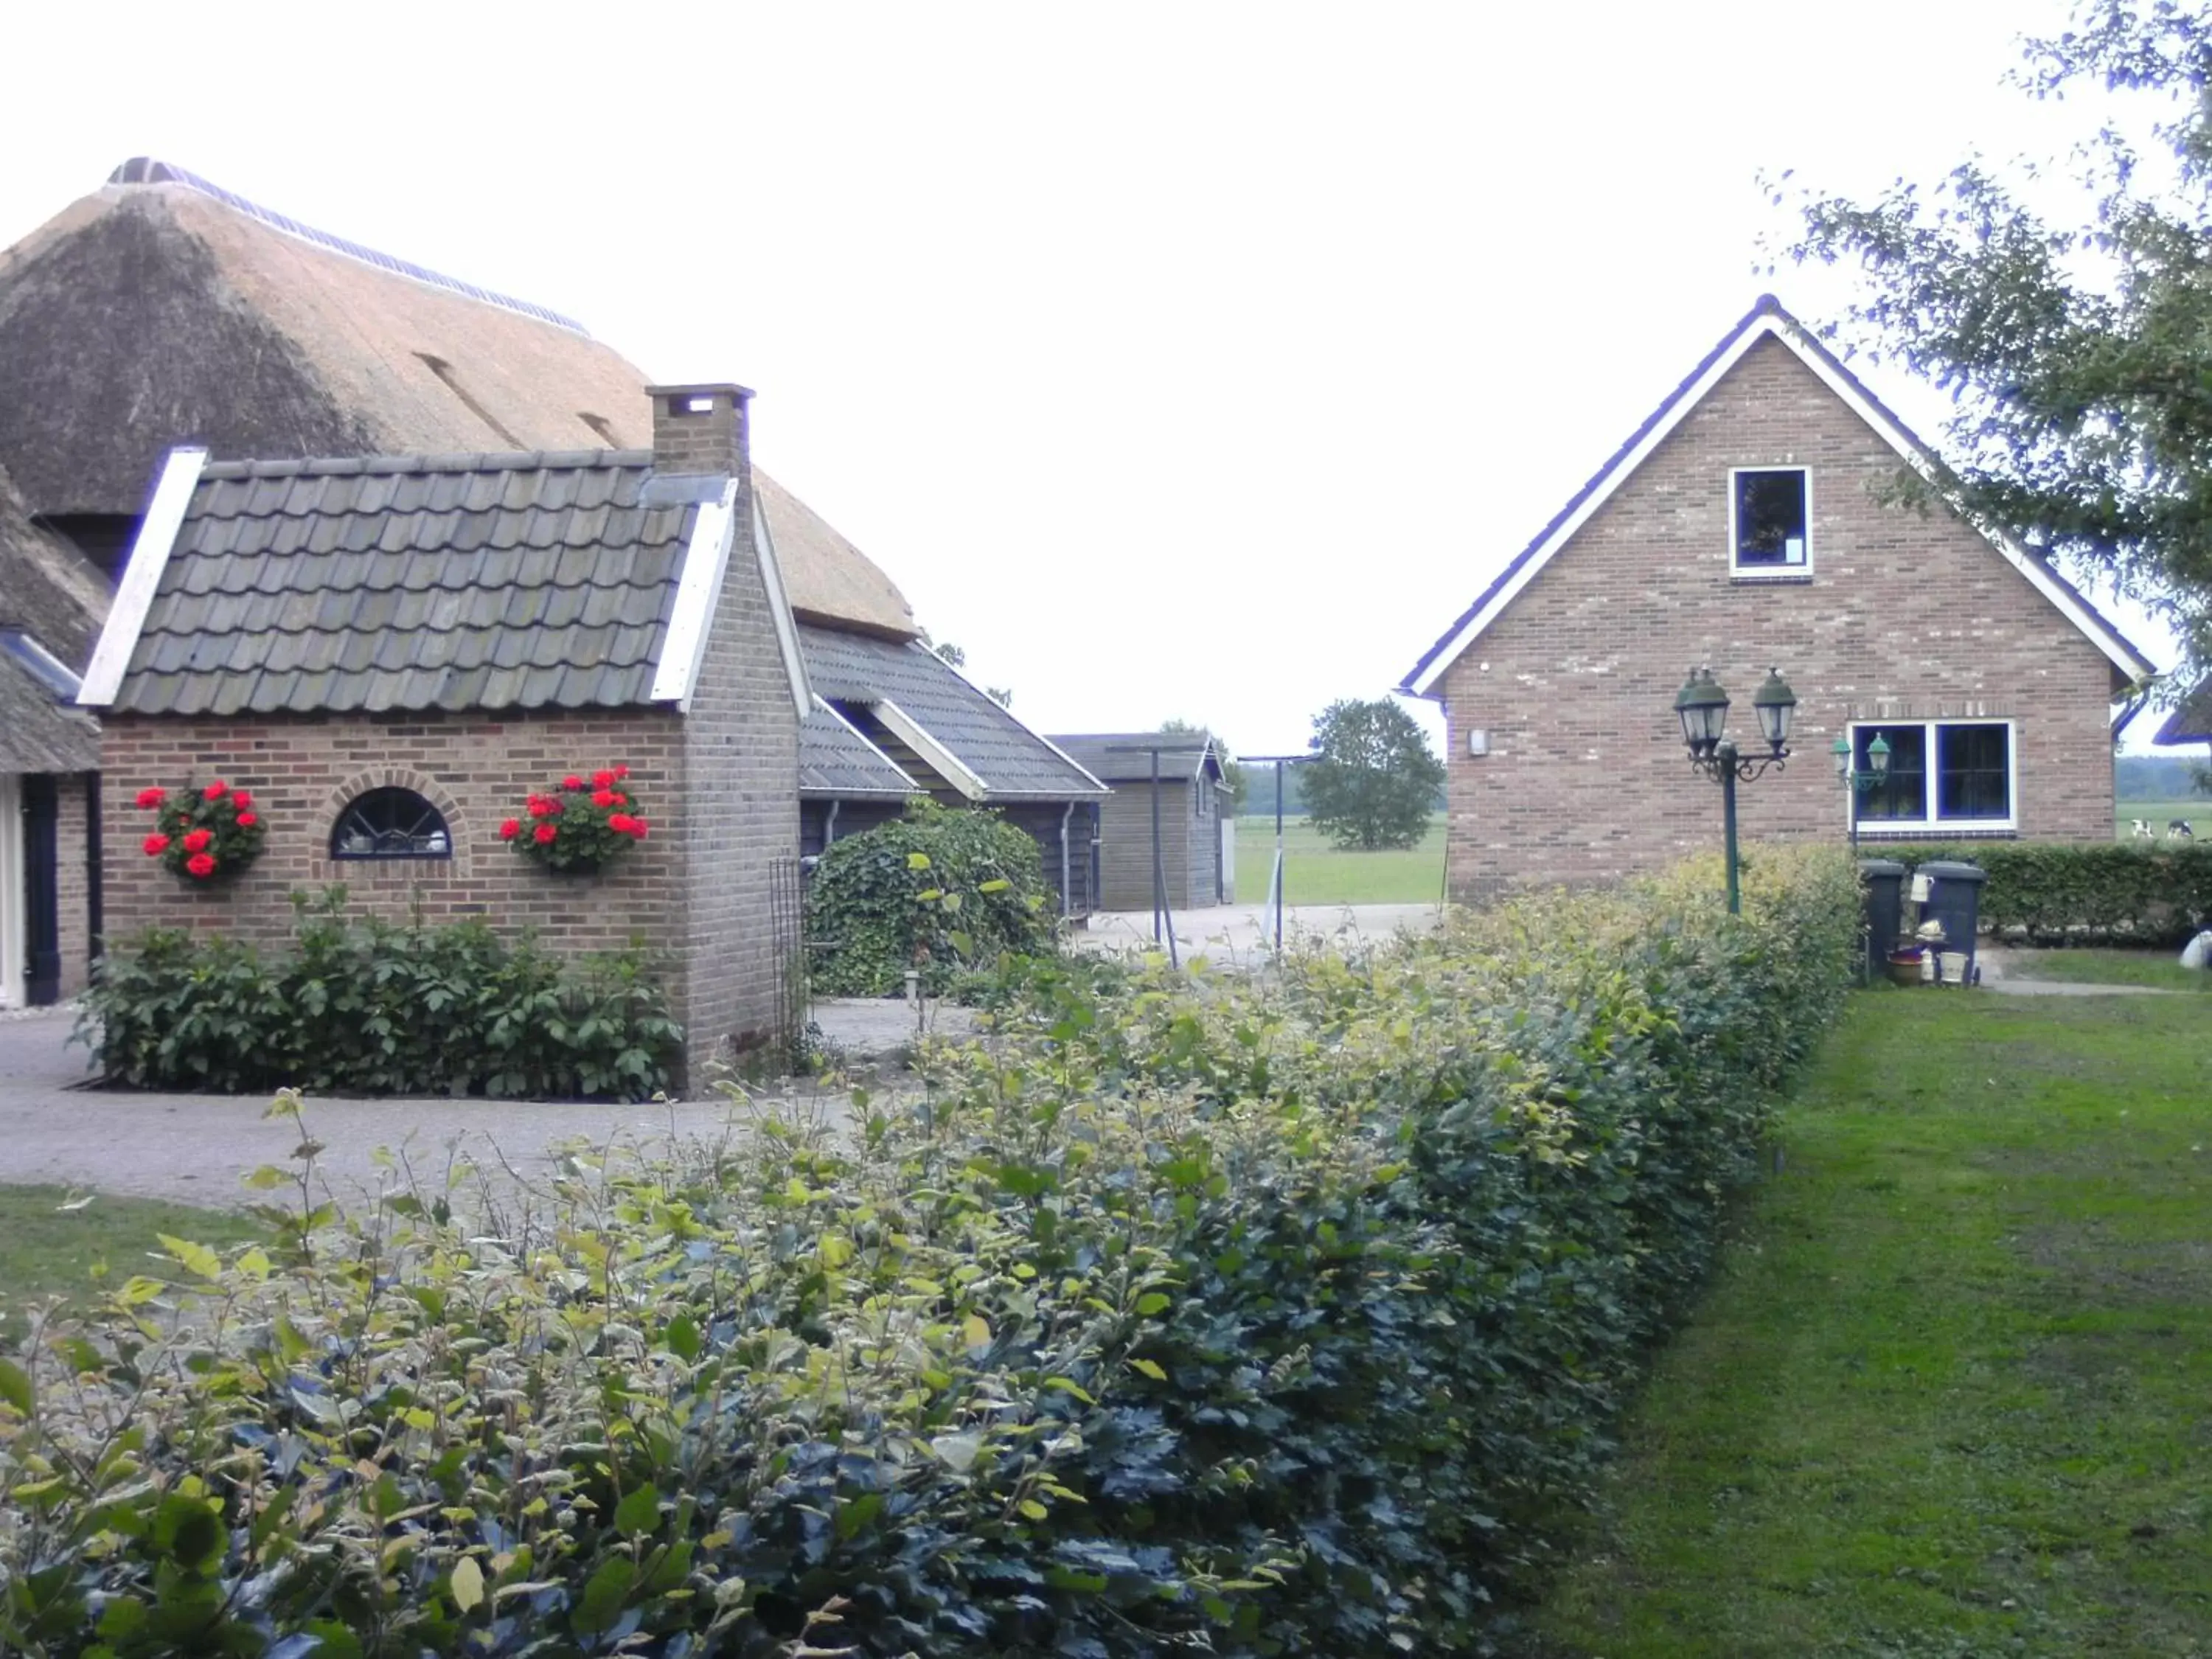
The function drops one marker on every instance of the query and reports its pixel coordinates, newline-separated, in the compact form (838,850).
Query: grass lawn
(1315,873)
(2159,967)
(2159,813)
(1952,1394)
(44,1250)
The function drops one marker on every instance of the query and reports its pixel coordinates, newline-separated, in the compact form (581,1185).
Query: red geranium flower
(156,845)
(196,840)
(215,790)
(620,800)
(603,779)
(637,827)
(510,830)
(241,800)
(152,796)
(604,797)
(247,820)
(622,771)
(620,823)
(572,781)
(544,833)
(201,865)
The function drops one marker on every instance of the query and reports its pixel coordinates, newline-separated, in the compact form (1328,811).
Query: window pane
(1974,779)
(1904,793)
(390,823)
(1770,518)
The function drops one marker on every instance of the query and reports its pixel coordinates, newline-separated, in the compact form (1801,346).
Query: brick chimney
(700,428)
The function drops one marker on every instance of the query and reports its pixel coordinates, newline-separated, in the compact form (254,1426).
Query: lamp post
(1856,781)
(1702,706)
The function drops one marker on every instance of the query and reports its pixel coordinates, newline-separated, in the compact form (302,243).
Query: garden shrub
(934,889)
(2086,893)
(361,1005)
(1283,1317)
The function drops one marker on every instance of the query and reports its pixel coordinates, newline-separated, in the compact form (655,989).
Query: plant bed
(359,1005)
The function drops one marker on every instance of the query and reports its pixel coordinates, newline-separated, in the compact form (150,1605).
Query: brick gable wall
(1908,615)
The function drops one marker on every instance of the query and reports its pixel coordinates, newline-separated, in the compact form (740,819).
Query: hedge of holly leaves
(1281,1317)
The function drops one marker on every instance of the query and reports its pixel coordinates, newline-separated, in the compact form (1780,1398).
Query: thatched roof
(161,310)
(52,602)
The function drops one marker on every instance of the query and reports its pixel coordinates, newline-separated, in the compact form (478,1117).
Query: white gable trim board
(142,577)
(705,558)
(942,761)
(787,629)
(1769,324)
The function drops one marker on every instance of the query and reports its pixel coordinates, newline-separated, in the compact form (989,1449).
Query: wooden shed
(1197,820)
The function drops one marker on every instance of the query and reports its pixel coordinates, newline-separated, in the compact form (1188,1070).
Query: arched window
(391,823)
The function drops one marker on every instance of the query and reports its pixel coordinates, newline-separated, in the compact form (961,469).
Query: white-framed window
(1943,775)
(1770,523)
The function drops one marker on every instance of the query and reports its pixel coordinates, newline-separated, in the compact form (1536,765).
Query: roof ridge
(519,460)
(150,170)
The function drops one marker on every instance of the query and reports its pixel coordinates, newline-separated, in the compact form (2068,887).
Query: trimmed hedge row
(2102,893)
(361,1005)
(1254,1318)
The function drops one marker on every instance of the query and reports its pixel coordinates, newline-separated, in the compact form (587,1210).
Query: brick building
(391,654)
(1752,521)
(162,310)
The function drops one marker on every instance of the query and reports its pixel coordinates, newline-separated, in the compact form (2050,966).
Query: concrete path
(1235,932)
(194,1148)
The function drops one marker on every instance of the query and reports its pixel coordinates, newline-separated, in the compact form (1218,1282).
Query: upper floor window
(1770,522)
(391,823)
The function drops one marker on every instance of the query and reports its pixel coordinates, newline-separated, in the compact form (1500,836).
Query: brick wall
(741,751)
(1906,615)
(477,770)
(73,876)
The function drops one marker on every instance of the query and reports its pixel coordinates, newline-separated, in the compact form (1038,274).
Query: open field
(1947,1397)
(2158,813)
(1318,874)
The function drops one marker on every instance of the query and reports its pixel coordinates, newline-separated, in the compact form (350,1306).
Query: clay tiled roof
(1009,759)
(415,582)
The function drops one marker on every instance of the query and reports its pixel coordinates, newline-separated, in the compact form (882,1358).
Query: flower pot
(1905,967)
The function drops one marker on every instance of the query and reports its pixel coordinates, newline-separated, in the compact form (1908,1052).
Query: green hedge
(2100,892)
(361,1005)
(936,888)
(1277,1318)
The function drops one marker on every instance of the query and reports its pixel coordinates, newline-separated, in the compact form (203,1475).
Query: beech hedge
(2091,893)
(1281,1316)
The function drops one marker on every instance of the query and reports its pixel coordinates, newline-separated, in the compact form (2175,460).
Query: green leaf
(1152,1302)
(601,1603)
(683,1339)
(197,1259)
(917,860)
(1149,1368)
(468,1584)
(15,1386)
(638,1512)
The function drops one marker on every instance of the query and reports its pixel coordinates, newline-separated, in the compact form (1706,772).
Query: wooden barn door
(42,913)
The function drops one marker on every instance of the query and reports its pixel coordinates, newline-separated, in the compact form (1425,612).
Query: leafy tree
(1231,773)
(1372,780)
(2074,353)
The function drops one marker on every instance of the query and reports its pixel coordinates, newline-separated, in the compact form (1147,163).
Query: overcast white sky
(1191,359)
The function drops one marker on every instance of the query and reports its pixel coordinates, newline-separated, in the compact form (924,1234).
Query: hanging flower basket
(583,825)
(204,834)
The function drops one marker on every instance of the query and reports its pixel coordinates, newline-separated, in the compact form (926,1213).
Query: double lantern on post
(1702,706)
